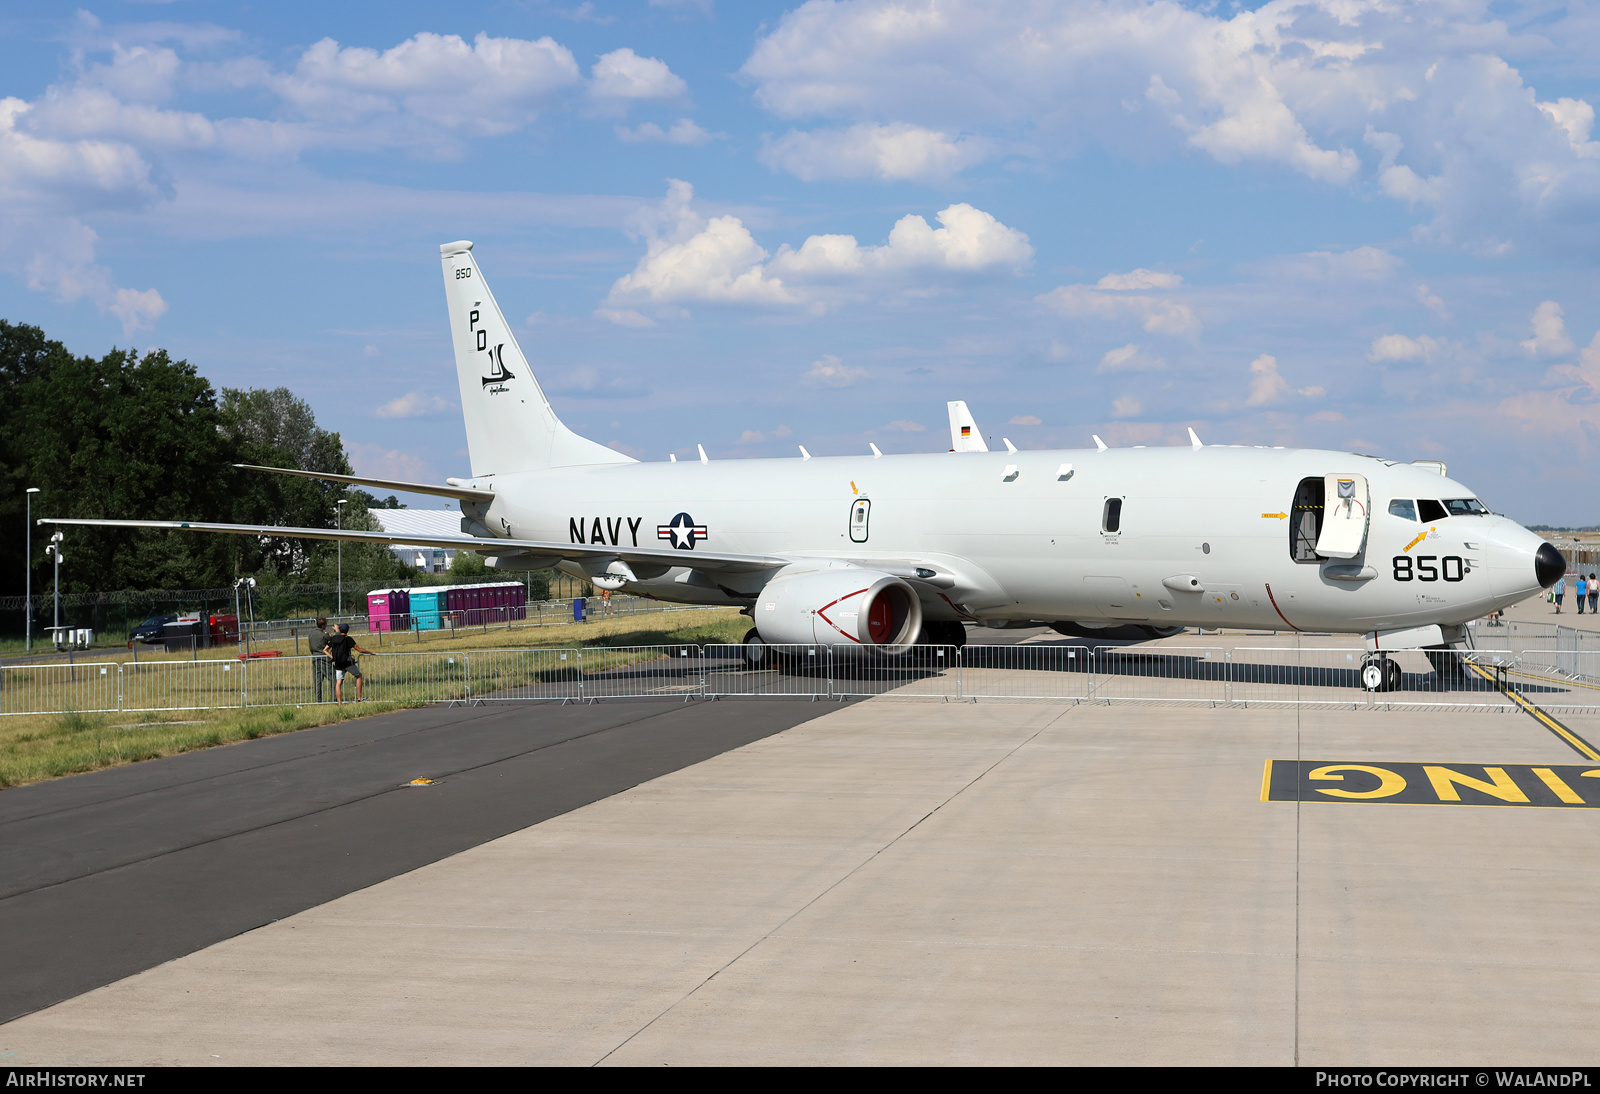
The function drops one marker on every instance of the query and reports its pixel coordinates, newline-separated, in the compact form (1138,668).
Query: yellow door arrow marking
(1414,542)
(1273,516)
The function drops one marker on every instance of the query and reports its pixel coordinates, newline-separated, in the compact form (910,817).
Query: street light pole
(55,550)
(27,604)
(339,525)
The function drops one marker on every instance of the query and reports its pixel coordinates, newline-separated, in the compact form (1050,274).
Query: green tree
(131,436)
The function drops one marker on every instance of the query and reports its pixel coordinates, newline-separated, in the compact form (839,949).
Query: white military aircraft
(886,551)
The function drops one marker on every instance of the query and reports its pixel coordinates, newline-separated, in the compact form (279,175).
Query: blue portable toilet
(427,607)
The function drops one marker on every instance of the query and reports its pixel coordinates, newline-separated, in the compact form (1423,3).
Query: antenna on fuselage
(1098,443)
(1194,440)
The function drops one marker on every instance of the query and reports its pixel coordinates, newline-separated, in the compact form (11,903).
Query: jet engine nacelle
(844,607)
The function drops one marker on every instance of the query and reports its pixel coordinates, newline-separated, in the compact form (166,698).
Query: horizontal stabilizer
(465,493)
(659,556)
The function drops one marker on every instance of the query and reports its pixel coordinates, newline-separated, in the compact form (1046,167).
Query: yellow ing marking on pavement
(1414,542)
(1266,782)
(1558,785)
(1273,516)
(1389,782)
(1443,780)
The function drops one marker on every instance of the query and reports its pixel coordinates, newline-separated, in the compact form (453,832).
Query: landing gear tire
(756,653)
(942,632)
(1380,674)
(1447,663)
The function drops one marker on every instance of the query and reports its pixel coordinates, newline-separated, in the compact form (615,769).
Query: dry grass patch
(34,747)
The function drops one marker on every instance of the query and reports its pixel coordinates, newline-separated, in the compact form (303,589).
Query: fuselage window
(1111,519)
(1465,507)
(1431,510)
(1305,519)
(1403,507)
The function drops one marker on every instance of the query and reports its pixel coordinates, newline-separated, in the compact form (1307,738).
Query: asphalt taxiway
(106,874)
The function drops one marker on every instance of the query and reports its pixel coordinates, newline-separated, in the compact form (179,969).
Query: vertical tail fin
(964,434)
(510,423)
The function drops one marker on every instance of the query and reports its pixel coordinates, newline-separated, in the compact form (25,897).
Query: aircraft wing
(707,561)
(454,490)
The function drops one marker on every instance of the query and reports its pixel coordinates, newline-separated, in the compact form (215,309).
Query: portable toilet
(400,609)
(378,617)
(428,607)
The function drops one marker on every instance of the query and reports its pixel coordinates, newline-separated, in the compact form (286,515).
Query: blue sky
(1368,226)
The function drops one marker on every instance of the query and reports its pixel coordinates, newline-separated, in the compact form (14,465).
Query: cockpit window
(1465,507)
(1430,510)
(1403,507)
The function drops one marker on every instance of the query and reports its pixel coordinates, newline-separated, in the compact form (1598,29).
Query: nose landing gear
(1380,674)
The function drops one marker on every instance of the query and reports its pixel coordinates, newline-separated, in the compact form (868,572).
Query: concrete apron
(911,882)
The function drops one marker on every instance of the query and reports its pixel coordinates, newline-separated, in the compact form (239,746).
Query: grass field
(34,747)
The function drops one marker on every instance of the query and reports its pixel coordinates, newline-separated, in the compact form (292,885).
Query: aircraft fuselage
(1024,535)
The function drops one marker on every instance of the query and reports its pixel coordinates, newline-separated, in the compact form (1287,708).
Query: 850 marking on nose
(1429,568)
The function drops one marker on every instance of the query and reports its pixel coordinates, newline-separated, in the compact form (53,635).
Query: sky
(1365,226)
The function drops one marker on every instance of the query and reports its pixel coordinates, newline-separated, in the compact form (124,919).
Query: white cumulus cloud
(1267,386)
(890,153)
(690,258)
(1114,297)
(1550,336)
(623,74)
(414,404)
(682,131)
(831,371)
(493,85)
(1422,99)
(1400,347)
(1130,358)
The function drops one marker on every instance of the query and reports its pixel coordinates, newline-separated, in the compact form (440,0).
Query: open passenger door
(1345,516)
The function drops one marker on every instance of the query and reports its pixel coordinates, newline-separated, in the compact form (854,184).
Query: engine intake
(847,608)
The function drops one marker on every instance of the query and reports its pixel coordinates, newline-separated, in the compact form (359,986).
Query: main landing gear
(1379,673)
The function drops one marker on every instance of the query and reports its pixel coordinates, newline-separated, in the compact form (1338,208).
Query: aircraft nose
(1548,565)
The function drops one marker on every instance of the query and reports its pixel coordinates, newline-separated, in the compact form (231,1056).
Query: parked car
(149,632)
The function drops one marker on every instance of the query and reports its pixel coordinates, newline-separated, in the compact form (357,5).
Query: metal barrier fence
(1556,678)
(1186,674)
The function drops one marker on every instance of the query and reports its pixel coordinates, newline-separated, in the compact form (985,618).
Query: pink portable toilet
(378,611)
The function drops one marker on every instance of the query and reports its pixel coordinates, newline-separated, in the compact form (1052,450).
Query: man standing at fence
(343,649)
(321,666)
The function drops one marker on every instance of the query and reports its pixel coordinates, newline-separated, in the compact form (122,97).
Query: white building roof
(422,522)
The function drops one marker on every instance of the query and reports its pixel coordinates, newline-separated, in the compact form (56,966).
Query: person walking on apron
(1559,590)
(1594,594)
(1582,589)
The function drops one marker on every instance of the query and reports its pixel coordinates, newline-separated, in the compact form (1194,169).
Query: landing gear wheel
(1380,674)
(1447,663)
(756,653)
(942,632)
